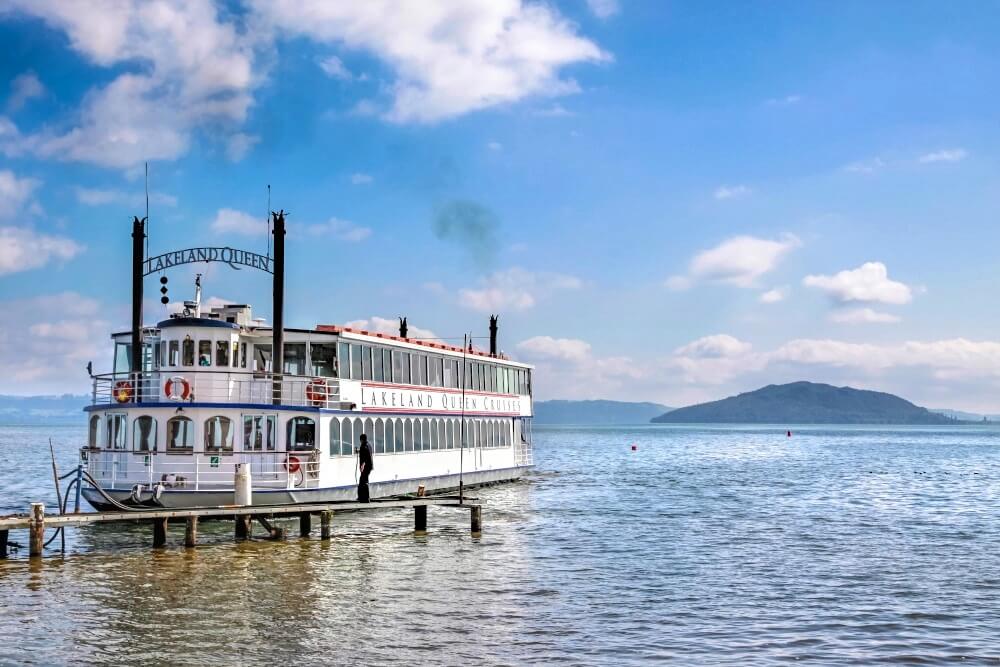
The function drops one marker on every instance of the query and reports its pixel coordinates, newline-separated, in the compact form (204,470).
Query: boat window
(95,425)
(144,434)
(323,360)
(356,351)
(173,356)
(377,364)
(432,436)
(428,429)
(437,371)
(467,371)
(156,354)
(295,358)
(397,437)
(123,358)
(301,434)
(187,352)
(366,363)
(180,434)
(387,365)
(204,353)
(397,366)
(219,434)
(222,353)
(403,376)
(334,437)
(346,439)
(243,355)
(442,434)
(261,357)
(408,436)
(389,437)
(115,431)
(418,369)
(343,362)
(527,383)
(258,433)
(418,436)
(358,430)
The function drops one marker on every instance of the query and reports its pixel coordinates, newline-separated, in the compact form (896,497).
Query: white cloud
(738,261)
(862,316)
(549,348)
(98,197)
(865,166)
(24,88)
(787,100)
(342,230)
(515,289)
(239,144)
(229,220)
(773,295)
(947,155)
(186,69)
(716,346)
(15,193)
(48,340)
(22,249)
(868,283)
(603,9)
(731,191)
(389,326)
(494,146)
(554,111)
(449,58)
(335,68)
(361,179)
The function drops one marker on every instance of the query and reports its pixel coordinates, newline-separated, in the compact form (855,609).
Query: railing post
(36,530)
(420,520)
(79,483)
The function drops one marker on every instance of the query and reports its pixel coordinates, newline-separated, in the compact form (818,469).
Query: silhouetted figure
(366,464)
(403,329)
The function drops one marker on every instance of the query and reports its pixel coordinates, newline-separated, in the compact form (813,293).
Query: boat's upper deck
(225,357)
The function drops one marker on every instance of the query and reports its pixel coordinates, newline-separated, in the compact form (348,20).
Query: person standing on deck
(367,465)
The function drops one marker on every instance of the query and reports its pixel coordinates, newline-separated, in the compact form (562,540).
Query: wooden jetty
(36,521)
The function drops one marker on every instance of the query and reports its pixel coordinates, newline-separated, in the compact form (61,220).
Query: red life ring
(292,464)
(316,391)
(185,386)
(123,391)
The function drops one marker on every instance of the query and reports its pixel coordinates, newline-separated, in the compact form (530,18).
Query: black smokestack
(493,335)
(402,327)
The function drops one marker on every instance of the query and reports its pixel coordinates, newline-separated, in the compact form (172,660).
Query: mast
(278,305)
(138,256)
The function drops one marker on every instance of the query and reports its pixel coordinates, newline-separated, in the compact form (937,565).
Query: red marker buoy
(635,448)
(789,434)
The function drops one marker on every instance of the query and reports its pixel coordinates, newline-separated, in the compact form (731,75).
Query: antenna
(147,209)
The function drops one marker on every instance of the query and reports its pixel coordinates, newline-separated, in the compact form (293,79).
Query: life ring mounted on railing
(292,464)
(177,388)
(123,391)
(316,392)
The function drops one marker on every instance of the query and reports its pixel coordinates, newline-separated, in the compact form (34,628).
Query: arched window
(115,431)
(180,435)
(369,430)
(219,435)
(301,434)
(425,434)
(398,445)
(433,439)
(347,438)
(442,434)
(334,437)
(389,436)
(359,428)
(408,440)
(187,354)
(93,431)
(144,434)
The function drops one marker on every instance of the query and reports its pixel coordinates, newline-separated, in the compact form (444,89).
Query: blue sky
(663,201)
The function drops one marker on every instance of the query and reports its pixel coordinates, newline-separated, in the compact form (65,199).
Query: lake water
(707,545)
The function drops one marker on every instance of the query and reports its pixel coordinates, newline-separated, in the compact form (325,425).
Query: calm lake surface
(707,545)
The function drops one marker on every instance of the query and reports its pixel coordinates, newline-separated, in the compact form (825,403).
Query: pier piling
(420,519)
(324,524)
(305,524)
(243,527)
(476,514)
(191,532)
(3,544)
(36,530)
(160,532)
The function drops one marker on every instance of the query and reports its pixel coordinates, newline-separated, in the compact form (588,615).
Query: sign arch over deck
(231,256)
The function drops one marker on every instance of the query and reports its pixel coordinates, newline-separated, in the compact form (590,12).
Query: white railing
(188,386)
(202,471)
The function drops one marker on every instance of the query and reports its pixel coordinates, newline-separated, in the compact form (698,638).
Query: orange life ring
(169,391)
(123,391)
(292,464)
(316,391)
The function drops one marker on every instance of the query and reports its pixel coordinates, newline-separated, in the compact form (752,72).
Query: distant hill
(24,410)
(596,412)
(807,403)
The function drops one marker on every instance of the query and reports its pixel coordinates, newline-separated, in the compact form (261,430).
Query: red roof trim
(333,328)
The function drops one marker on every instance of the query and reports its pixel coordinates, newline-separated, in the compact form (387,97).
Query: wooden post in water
(420,519)
(160,533)
(191,532)
(3,544)
(477,520)
(324,524)
(36,530)
(242,527)
(305,524)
